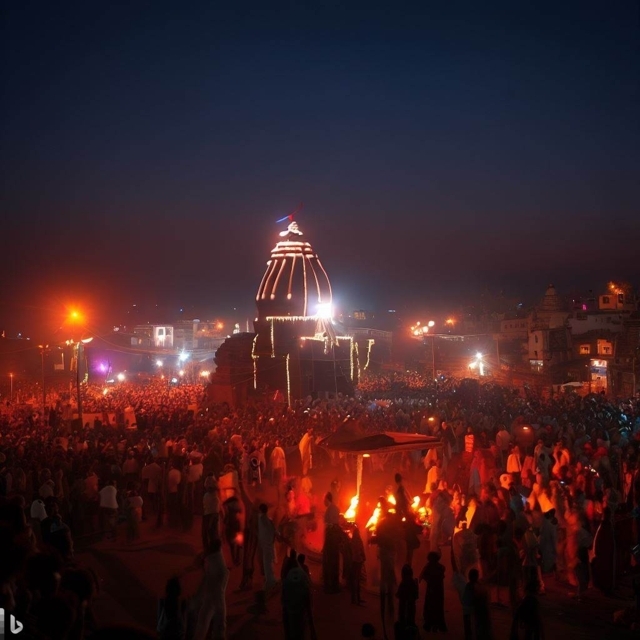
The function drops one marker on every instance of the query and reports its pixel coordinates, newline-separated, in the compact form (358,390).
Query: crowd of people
(523,489)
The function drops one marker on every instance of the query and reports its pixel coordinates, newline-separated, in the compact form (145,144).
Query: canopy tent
(385,442)
(350,438)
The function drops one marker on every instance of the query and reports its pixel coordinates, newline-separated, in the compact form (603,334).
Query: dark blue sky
(146,148)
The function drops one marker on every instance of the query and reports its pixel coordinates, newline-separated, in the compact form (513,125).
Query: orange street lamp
(11,378)
(75,317)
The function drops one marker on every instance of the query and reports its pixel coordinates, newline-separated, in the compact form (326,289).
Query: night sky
(440,148)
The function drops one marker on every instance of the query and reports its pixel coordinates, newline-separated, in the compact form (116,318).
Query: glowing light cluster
(615,288)
(419,329)
(370,343)
(478,363)
(324,311)
(282,266)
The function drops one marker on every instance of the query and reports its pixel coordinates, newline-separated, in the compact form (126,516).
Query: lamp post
(11,383)
(77,318)
(421,331)
(44,350)
(433,351)
(425,331)
(78,390)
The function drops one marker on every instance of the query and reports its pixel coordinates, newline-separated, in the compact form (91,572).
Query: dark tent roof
(354,441)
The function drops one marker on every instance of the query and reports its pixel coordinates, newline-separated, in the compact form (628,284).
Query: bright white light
(121,377)
(479,356)
(425,329)
(431,323)
(181,373)
(183,357)
(174,380)
(158,363)
(105,391)
(205,374)
(324,311)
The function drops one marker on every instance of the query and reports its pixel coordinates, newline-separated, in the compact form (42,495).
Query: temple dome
(295,283)
(551,301)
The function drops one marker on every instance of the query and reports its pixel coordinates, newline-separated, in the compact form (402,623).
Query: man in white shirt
(430,458)
(503,440)
(194,475)
(305,451)
(196,468)
(278,462)
(433,476)
(174,477)
(109,509)
(562,458)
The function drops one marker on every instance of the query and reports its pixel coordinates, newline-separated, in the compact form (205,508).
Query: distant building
(624,371)
(616,301)
(549,341)
(514,328)
(612,310)
(586,321)
(153,335)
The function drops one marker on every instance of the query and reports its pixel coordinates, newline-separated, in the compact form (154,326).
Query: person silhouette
(433,610)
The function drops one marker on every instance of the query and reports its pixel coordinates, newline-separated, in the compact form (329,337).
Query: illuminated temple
(296,350)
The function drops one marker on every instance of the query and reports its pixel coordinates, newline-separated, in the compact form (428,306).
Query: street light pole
(78,348)
(11,378)
(433,355)
(76,318)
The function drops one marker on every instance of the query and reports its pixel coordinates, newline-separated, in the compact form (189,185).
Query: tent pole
(358,474)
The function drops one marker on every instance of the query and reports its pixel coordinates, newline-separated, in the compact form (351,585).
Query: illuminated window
(605,347)
(585,349)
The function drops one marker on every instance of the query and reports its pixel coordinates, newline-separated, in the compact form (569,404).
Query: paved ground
(133,576)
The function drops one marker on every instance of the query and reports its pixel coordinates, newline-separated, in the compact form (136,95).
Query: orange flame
(350,513)
(373,520)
